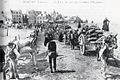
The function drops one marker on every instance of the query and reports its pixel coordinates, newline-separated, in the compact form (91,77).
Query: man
(12,54)
(61,36)
(71,37)
(35,37)
(52,55)
(106,25)
(46,39)
(2,60)
(79,25)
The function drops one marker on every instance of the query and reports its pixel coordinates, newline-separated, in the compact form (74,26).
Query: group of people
(12,54)
(71,37)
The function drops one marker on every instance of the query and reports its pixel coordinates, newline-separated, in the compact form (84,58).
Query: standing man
(61,36)
(52,55)
(71,37)
(79,25)
(106,25)
(46,39)
(2,60)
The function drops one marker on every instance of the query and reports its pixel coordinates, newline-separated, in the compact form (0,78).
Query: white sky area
(95,10)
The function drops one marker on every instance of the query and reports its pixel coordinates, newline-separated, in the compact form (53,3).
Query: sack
(92,35)
(99,31)
(100,35)
(90,31)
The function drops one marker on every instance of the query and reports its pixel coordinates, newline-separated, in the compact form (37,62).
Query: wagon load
(89,37)
(92,33)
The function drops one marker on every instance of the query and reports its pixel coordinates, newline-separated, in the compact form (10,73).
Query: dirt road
(71,66)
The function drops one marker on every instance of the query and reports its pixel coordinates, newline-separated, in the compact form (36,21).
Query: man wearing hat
(13,56)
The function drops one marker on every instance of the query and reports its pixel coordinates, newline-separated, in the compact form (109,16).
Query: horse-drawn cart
(88,39)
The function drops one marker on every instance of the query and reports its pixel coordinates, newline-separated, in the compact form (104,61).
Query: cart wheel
(81,44)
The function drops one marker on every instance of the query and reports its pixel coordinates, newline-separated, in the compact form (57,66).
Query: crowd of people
(69,36)
(51,32)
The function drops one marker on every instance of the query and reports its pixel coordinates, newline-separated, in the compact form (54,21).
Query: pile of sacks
(92,32)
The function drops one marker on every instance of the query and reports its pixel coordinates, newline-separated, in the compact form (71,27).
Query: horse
(27,45)
(106,51)
(22,46)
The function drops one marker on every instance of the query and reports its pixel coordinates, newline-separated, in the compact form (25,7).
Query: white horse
(22,46)
(26,46)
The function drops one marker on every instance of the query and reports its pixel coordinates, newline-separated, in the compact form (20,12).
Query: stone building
(16,16)
(32,14)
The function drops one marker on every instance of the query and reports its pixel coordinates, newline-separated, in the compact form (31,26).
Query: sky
(95,10)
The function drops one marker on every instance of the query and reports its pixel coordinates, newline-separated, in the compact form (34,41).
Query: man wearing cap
(12,54)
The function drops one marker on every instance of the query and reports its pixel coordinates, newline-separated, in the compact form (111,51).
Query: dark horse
(106,50)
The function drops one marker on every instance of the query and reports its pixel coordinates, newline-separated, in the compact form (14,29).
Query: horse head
(111,40)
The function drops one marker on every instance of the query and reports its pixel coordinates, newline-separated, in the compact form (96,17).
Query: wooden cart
(87,46)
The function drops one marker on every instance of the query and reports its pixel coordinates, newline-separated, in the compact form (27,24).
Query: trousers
(52,62)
